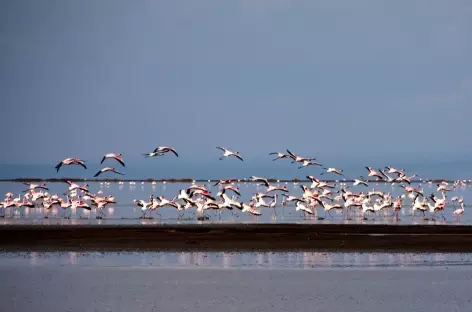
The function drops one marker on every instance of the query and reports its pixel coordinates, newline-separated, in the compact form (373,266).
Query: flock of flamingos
(197,198)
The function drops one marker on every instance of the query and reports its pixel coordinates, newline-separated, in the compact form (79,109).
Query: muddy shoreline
(237,237)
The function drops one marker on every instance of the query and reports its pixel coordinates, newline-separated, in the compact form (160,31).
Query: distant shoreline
(237,237)
(190,180)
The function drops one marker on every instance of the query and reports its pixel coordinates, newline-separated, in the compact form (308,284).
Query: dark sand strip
(237,237)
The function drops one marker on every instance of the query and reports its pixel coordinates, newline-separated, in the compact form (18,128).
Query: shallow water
(235,282)
(125,212)
(228,260)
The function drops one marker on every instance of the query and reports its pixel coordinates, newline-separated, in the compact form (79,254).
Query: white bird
(393,170)
(185,195)
(418,206)
(280,155)
(165,149)
(106,169)
(261,203)
(388,178)
(74,186)
(259,179)
(404,178)
(302,206)
(36,186)
(144,206)
(307,163)
(357,182)
(444,187)
(333,170)
(297,158)
(328,207)
(228,153)
(118,158)
(461,210)
(69,162)
(249,208)
(152,154)
(374,173)
(366,208)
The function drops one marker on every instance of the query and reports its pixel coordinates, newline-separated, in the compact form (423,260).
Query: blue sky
(340,80)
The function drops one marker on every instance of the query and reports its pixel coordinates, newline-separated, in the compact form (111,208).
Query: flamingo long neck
(444,195)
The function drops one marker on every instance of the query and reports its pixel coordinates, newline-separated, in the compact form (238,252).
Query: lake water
(125,212)
(234,260)
(221,281)
(227,281)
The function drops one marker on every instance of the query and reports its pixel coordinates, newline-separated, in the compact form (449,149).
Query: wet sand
(237,237)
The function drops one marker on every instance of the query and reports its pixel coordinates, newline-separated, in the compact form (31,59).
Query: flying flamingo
(333,170)
(152,154)
(280,155)
(118,158)
(36,186)
(307,163)
(165,149)
(69,162)
(375,173)
(297,158)
(106,169)
(228,153)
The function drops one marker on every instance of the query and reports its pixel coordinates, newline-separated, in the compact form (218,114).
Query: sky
(340,80)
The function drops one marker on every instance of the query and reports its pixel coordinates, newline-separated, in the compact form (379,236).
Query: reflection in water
(126,212)
(237,259)
(33,258)
(111,211)
(227,257)
(72,257)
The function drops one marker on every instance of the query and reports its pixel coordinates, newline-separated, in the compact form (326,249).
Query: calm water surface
(228,260)
(219,281)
